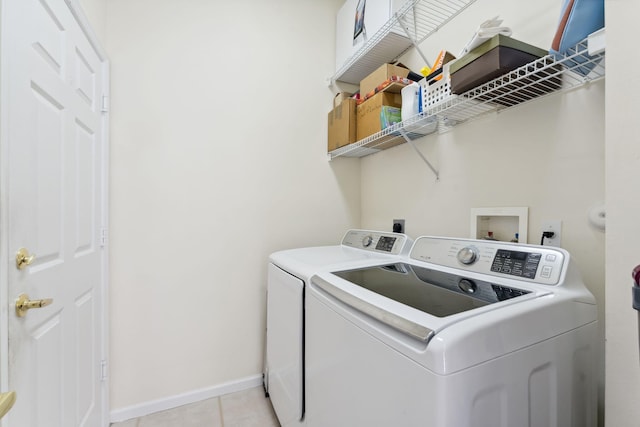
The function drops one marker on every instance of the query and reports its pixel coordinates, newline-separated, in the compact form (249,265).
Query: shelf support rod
(404,26)
(406,137)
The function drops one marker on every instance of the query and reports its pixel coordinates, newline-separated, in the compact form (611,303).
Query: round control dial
(468,255)
(366,241)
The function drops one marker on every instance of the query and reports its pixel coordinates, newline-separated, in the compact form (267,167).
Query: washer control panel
(517,261)
(378,241)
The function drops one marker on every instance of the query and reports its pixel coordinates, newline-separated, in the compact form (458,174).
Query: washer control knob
(468,255)
(467,286)
(366,241)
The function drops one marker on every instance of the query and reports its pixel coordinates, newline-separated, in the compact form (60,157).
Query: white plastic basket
(438,100)
(438,92)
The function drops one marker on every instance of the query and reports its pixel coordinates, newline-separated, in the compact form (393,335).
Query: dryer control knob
(468,255)
(366,241)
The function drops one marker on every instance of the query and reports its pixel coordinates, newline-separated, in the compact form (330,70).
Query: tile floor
(248,408)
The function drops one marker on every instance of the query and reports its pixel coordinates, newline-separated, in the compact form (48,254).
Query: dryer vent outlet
(398,225)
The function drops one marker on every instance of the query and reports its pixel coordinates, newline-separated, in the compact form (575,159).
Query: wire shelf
(547,75)
(414,22)
(414,127)
(422,18)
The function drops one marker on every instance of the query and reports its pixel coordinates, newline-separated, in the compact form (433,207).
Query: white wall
(623,206)
(547,155)
(96,13)
(471,158)
(218,158)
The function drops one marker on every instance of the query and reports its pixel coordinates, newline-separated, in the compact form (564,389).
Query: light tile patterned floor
(248,408)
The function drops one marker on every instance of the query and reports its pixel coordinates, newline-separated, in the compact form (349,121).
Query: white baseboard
(170,402)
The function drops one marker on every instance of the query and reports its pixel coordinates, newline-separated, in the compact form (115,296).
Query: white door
(53,148)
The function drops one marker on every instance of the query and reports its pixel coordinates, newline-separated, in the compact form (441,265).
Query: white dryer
(462,333)
(289,274)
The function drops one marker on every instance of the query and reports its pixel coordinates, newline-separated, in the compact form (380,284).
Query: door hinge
(105,104)
(103,370)
(103,237)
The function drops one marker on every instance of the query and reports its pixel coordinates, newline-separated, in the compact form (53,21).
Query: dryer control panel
(532,263)
(378,241)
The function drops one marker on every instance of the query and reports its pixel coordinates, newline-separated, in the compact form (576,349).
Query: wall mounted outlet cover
(554,226)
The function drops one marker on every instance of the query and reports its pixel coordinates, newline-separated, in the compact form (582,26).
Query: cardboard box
(342,125)
(341,96)
(368,118)
(369,83)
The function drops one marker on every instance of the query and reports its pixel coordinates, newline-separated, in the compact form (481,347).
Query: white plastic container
(410,101)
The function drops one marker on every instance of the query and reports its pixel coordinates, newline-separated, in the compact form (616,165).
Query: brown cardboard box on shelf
(368,117)
(342,125)
(369,83)
(341,96)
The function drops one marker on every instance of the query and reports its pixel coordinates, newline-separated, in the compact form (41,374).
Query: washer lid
(416,300)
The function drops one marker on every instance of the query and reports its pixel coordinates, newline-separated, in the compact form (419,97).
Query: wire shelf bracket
(413,145)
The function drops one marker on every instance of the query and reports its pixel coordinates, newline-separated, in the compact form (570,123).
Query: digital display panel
(385,243)
(515,263)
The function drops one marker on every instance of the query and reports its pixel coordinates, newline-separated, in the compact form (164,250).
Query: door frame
(6,306)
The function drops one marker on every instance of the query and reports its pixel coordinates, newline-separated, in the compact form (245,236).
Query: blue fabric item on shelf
(578,19)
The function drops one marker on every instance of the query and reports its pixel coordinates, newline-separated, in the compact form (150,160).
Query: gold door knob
(23,258)
(24,304)
(6,402)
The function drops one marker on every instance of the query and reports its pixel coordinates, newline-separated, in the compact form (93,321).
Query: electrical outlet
(556,227)
(398,226)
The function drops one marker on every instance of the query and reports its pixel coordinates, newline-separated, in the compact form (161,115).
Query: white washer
(462,333)
(289,273)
